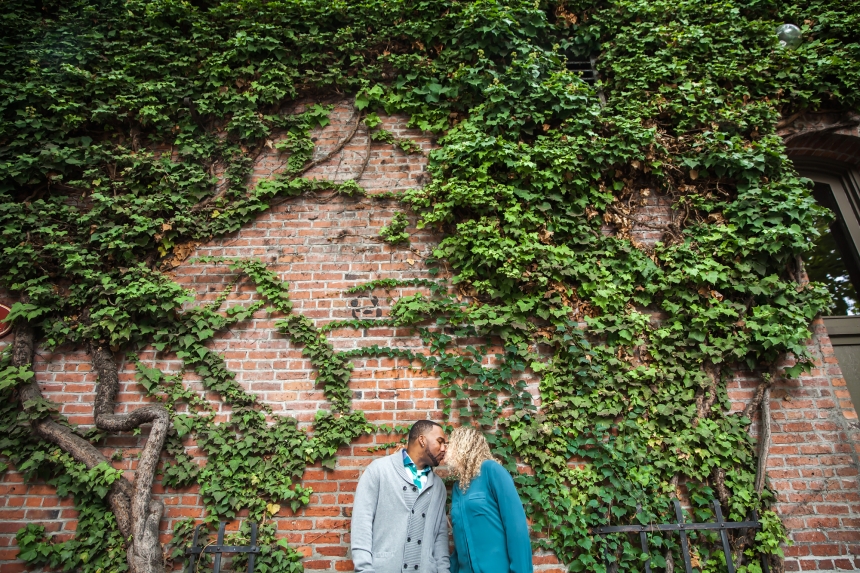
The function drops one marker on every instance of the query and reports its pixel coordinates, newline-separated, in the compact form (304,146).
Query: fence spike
(216,568)
(643,540)
(193,560)
(253,544)
(724,535)
(685,546)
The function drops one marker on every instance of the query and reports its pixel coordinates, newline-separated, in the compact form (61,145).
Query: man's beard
(434,461)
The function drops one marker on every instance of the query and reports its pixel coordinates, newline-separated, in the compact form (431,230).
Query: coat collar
(397,461)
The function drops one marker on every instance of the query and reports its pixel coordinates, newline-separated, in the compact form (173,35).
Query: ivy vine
(129,129)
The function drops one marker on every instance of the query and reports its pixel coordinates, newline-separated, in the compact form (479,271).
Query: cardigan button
(413,513)
(422,515)
(419,542)
(408,539)
(404,488)
(405,565)
(414,488)
(416,566)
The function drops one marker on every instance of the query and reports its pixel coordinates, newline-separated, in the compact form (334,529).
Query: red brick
(852,535)
(796,550)
(831,509)
(332,551)
(821,549)
(809,536)
(11,526)
(823,522)
(296,524)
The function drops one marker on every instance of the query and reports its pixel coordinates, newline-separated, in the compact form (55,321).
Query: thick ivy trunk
(145,554)
(137,515)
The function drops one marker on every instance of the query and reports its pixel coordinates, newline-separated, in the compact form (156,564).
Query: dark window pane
(825,263)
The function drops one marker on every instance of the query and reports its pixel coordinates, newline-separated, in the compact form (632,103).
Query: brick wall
(325,244)
(813,463)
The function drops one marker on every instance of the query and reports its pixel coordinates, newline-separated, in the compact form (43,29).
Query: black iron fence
(195,552)
(682,528)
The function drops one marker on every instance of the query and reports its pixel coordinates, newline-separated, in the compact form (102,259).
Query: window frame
(844,182)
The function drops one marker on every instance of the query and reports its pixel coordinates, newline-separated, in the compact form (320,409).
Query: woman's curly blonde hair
(467,450)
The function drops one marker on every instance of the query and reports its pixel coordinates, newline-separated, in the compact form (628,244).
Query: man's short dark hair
(420,428)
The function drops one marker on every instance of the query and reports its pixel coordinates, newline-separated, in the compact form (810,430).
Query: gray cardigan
(380,516)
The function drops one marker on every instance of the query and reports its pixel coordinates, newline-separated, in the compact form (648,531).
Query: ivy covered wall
(130,132)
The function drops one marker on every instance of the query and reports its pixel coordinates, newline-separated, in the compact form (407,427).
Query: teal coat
(490,530)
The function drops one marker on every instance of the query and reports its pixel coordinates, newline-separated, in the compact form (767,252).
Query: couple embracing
(399,522)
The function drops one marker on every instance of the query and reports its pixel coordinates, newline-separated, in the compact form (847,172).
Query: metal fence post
(218,548)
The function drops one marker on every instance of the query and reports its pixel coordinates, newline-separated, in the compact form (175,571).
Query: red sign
(5,327)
